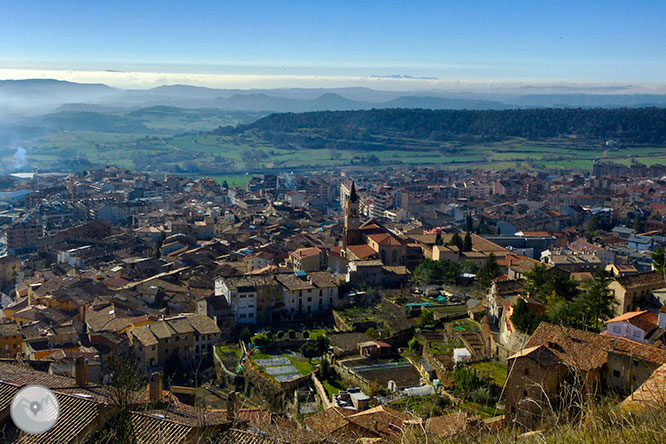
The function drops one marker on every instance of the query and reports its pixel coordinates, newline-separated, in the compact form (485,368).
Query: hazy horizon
(399,81)
(433,44)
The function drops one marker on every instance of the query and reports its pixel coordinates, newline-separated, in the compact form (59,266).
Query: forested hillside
(628,125)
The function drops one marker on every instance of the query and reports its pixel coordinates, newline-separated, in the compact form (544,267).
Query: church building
(369,240)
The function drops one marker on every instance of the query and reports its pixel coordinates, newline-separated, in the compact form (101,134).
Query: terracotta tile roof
(586,350)
(329,420)
(203,324)
(644,320)
(650,394)
(149,429)
(187,415)
(540,354)
(75,422)
(235,436)
(447,426)
(180,325)
(509,288)
(381,419)
(385,239)
(361,251)
(484,245)
(144,336)
(9,329)
(161,330)
(307,252)
(536,233)
(651,278)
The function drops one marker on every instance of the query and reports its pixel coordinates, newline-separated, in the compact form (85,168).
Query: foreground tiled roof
(586,350)
(235,436)
(76,419)
(329,420)
(652,393)
(449,425)
(377,421)
(149,429)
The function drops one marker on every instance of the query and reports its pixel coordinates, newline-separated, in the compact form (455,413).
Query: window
(251,315)
(527,371)
(616,373)
(242,316)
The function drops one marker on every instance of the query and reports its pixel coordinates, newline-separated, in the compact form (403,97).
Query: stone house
(634,291)
(589,360)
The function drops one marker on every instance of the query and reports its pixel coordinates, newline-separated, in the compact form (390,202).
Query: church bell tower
(352,234)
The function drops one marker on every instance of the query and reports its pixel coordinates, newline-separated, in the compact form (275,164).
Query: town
(354,304)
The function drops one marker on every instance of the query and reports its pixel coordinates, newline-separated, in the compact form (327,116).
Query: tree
(443,270)
(245,335)
(260,339)
(542,282)
(489,271)
(536,278)
(325,370)
(371,333)
(523,319)
(310,350)
(467,246)
(482,227)
(592,226)
(659,261)
(438,239)
(124,390)
(597,303)
(315,347)
(323,343)
(481,396)
(426,317)
(457,241)
(414,345)
(225,185)
(469,223)
(469,266)
(465,380)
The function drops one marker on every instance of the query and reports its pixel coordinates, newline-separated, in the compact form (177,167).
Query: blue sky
(537,41)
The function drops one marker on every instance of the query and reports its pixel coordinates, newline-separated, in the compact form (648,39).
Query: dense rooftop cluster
(330,304)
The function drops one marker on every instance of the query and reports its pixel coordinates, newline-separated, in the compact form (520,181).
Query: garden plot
(280,370)
(272,362)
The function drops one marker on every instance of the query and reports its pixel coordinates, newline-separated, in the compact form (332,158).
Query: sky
(331,43)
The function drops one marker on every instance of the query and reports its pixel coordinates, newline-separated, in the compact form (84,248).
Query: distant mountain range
(39,96)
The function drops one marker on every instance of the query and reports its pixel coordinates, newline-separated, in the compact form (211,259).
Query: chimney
(81,371)
(232,405)
(155,387)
